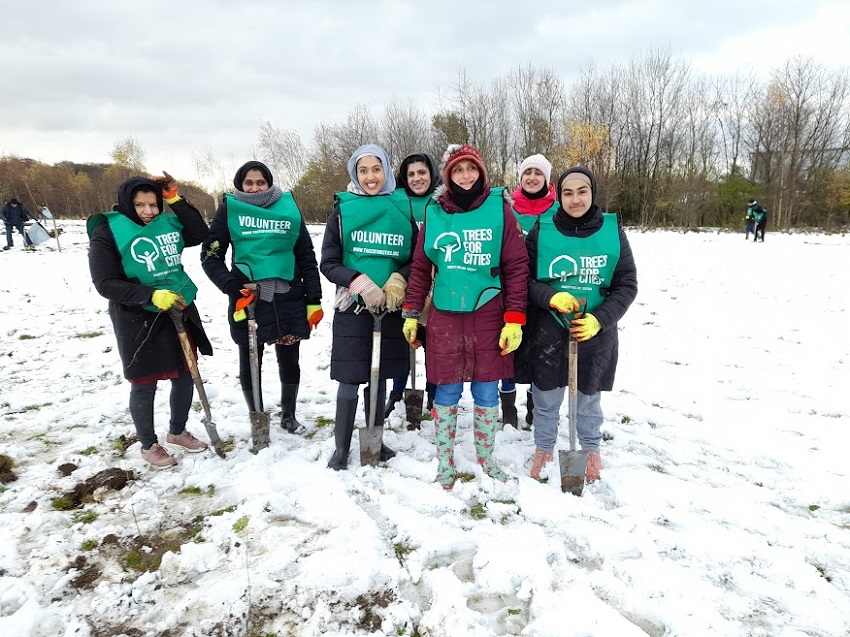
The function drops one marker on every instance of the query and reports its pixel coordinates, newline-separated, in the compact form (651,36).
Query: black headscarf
(252,165)
(401,177)
(572,221)
(128,190)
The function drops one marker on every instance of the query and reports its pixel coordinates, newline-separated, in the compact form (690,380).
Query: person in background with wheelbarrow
(419,178)
(577,253)
(366,252)
(135,262)
(471,251)
(14,214)
(272,248)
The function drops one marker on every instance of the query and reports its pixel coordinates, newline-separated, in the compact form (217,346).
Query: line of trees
(670,147)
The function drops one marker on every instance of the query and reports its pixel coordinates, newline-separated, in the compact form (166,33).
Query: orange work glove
(241,304)
(169,187)
(314,315)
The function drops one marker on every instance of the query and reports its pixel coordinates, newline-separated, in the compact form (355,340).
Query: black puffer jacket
(147,341)
(287,313)
(542,356)
(351,352)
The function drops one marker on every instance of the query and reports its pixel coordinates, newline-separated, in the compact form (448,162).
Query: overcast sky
(183,76)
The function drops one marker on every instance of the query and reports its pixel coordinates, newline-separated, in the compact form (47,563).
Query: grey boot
(509,414)
(288,399)
(346,410)
(386,452)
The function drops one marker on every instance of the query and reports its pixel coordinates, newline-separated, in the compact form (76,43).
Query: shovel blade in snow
(413,406)
(260,430)
(573,471)
(370,445)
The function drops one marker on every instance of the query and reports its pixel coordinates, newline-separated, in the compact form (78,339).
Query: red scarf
(525,206)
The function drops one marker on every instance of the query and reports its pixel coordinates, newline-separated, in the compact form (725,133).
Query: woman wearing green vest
(534,197)
(579,253)
(135,262)
(366,253)
(471,251)
(272,248)
(419,178)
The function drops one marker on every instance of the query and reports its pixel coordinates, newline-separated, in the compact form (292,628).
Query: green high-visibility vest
(466,249)
(418,206)
(152,254)
(376,233)
(582,266)
(263,238)
(526,222)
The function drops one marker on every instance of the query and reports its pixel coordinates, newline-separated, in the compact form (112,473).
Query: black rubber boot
(386,452)
(429,405)
(509,415)
(395,396)
(288,399)
(346,410)
(529,410)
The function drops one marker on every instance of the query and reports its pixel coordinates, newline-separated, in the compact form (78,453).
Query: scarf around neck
(262,199)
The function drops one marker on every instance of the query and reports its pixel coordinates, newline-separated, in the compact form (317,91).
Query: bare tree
(282,151)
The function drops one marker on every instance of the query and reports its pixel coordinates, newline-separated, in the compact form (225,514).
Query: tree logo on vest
(144,250)
(563,267)
(448,242)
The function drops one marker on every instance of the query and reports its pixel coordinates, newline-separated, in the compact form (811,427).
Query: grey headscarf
(380,153)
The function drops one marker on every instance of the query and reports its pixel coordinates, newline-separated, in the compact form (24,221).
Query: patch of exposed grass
(310,434)
(478,512)
(86,516)
(321,421)
(813,507)
(401,551)
(220,512)
(25,337)
(35,407)
(122,443)
(625,420)
(191,491)
(88,451)
(514,611)
(240,524)
(88,334)
(89,545)
(63,503)
(228,444)
(465,477)
(657,468)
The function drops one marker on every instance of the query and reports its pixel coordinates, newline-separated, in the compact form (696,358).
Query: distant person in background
(419,177)
(280,257)
(14,214)
(760,217)
(135,259)
(750,220)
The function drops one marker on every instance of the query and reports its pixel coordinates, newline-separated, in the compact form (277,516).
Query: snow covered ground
(724,507)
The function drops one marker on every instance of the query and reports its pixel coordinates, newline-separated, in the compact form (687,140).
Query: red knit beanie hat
(458,152)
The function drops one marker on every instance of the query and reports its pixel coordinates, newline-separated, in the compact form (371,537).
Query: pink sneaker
(158,457)
(541,459)
(594,466)
(187,441)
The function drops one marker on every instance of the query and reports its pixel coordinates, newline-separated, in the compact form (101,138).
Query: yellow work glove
(164,299)
(409,329)
(564,302)
(314,315)
(510,338)
(395,288)
(585,328)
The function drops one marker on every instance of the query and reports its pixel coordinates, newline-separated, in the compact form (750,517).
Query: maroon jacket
(465,346)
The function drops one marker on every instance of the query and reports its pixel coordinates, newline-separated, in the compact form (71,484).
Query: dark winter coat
(14,215)
(147,341)
(351,351)
(464,346)
(287,313)
(542,356)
